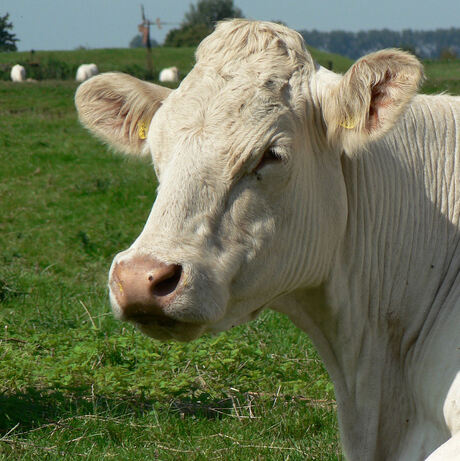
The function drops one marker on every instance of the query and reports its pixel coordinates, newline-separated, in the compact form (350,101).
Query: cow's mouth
(153,320)
(165,328)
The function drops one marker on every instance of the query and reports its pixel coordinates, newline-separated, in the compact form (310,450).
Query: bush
(448,54)
(138,71)
(136,42)
(187,35)
(51,69)
(5,70)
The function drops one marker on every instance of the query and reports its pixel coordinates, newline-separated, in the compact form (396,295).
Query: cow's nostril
(166,284)
(143,288)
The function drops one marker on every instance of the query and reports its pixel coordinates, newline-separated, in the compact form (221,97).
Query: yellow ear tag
(141,129)
(348,124)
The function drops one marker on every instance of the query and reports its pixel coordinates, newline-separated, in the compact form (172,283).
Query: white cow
(86,71)
(170,74)
(334,199)
(18,73)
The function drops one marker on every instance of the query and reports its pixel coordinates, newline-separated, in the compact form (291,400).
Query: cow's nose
(144,287)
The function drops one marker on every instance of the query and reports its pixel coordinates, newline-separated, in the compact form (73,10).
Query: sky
(69,24)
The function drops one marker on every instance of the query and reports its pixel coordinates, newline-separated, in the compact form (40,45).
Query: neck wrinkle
(390,278)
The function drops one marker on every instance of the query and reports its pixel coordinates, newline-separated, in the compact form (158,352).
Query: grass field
(441,75)
(132,61)
(76,384)
(127,58)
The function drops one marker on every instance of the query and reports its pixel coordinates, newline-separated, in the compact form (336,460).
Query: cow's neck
(368,319)
(364,368)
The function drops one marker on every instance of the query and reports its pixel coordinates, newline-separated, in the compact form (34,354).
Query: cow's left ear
(118,108)
(370,97)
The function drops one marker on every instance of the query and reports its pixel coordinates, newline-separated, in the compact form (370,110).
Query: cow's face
(235,206)
(251,201)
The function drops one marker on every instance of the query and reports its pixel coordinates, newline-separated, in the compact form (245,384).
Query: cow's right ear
(118,109)
(370,97)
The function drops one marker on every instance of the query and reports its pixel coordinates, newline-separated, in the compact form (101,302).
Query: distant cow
(332,198)
(170,74)
(18,73)
(86,71)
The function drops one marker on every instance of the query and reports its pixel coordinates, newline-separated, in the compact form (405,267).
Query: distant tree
(208,12)
(187,35)
(7,39)
(425,44)
(409,48)
(136,42)
(448,54)
(200,21)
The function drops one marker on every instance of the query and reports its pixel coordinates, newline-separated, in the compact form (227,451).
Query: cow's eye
(270,157)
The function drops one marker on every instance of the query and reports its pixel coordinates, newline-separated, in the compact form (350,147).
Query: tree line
(434,44)
(200,20)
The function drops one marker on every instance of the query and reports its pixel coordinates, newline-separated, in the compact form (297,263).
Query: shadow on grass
(35,408)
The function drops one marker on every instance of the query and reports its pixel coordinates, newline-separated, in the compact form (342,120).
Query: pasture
(64,64)
(74,383)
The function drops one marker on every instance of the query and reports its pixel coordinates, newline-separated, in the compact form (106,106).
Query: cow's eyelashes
(270,156)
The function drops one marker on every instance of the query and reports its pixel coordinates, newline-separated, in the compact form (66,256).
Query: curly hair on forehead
(241,40)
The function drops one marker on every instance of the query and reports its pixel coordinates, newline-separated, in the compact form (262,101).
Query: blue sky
(67,24)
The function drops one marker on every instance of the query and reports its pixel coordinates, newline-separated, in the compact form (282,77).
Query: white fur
(354,234)
(170,74)
(86,71)
(18,73)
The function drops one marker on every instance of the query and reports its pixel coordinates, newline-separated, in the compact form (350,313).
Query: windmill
(144,29)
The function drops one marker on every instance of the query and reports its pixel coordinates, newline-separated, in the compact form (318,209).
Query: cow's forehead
(225,99)
(266,43)
(241,85)
(211,109)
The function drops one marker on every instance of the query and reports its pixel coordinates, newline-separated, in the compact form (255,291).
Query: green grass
(109,58)
(442,76)
(64,64)
(134,60)
(74,383)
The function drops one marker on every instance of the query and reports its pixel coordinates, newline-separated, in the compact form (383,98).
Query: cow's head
(251,200)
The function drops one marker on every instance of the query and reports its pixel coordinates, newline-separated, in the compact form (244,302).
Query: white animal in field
(86,71)
(170,74)
(18,73)
(332,198)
